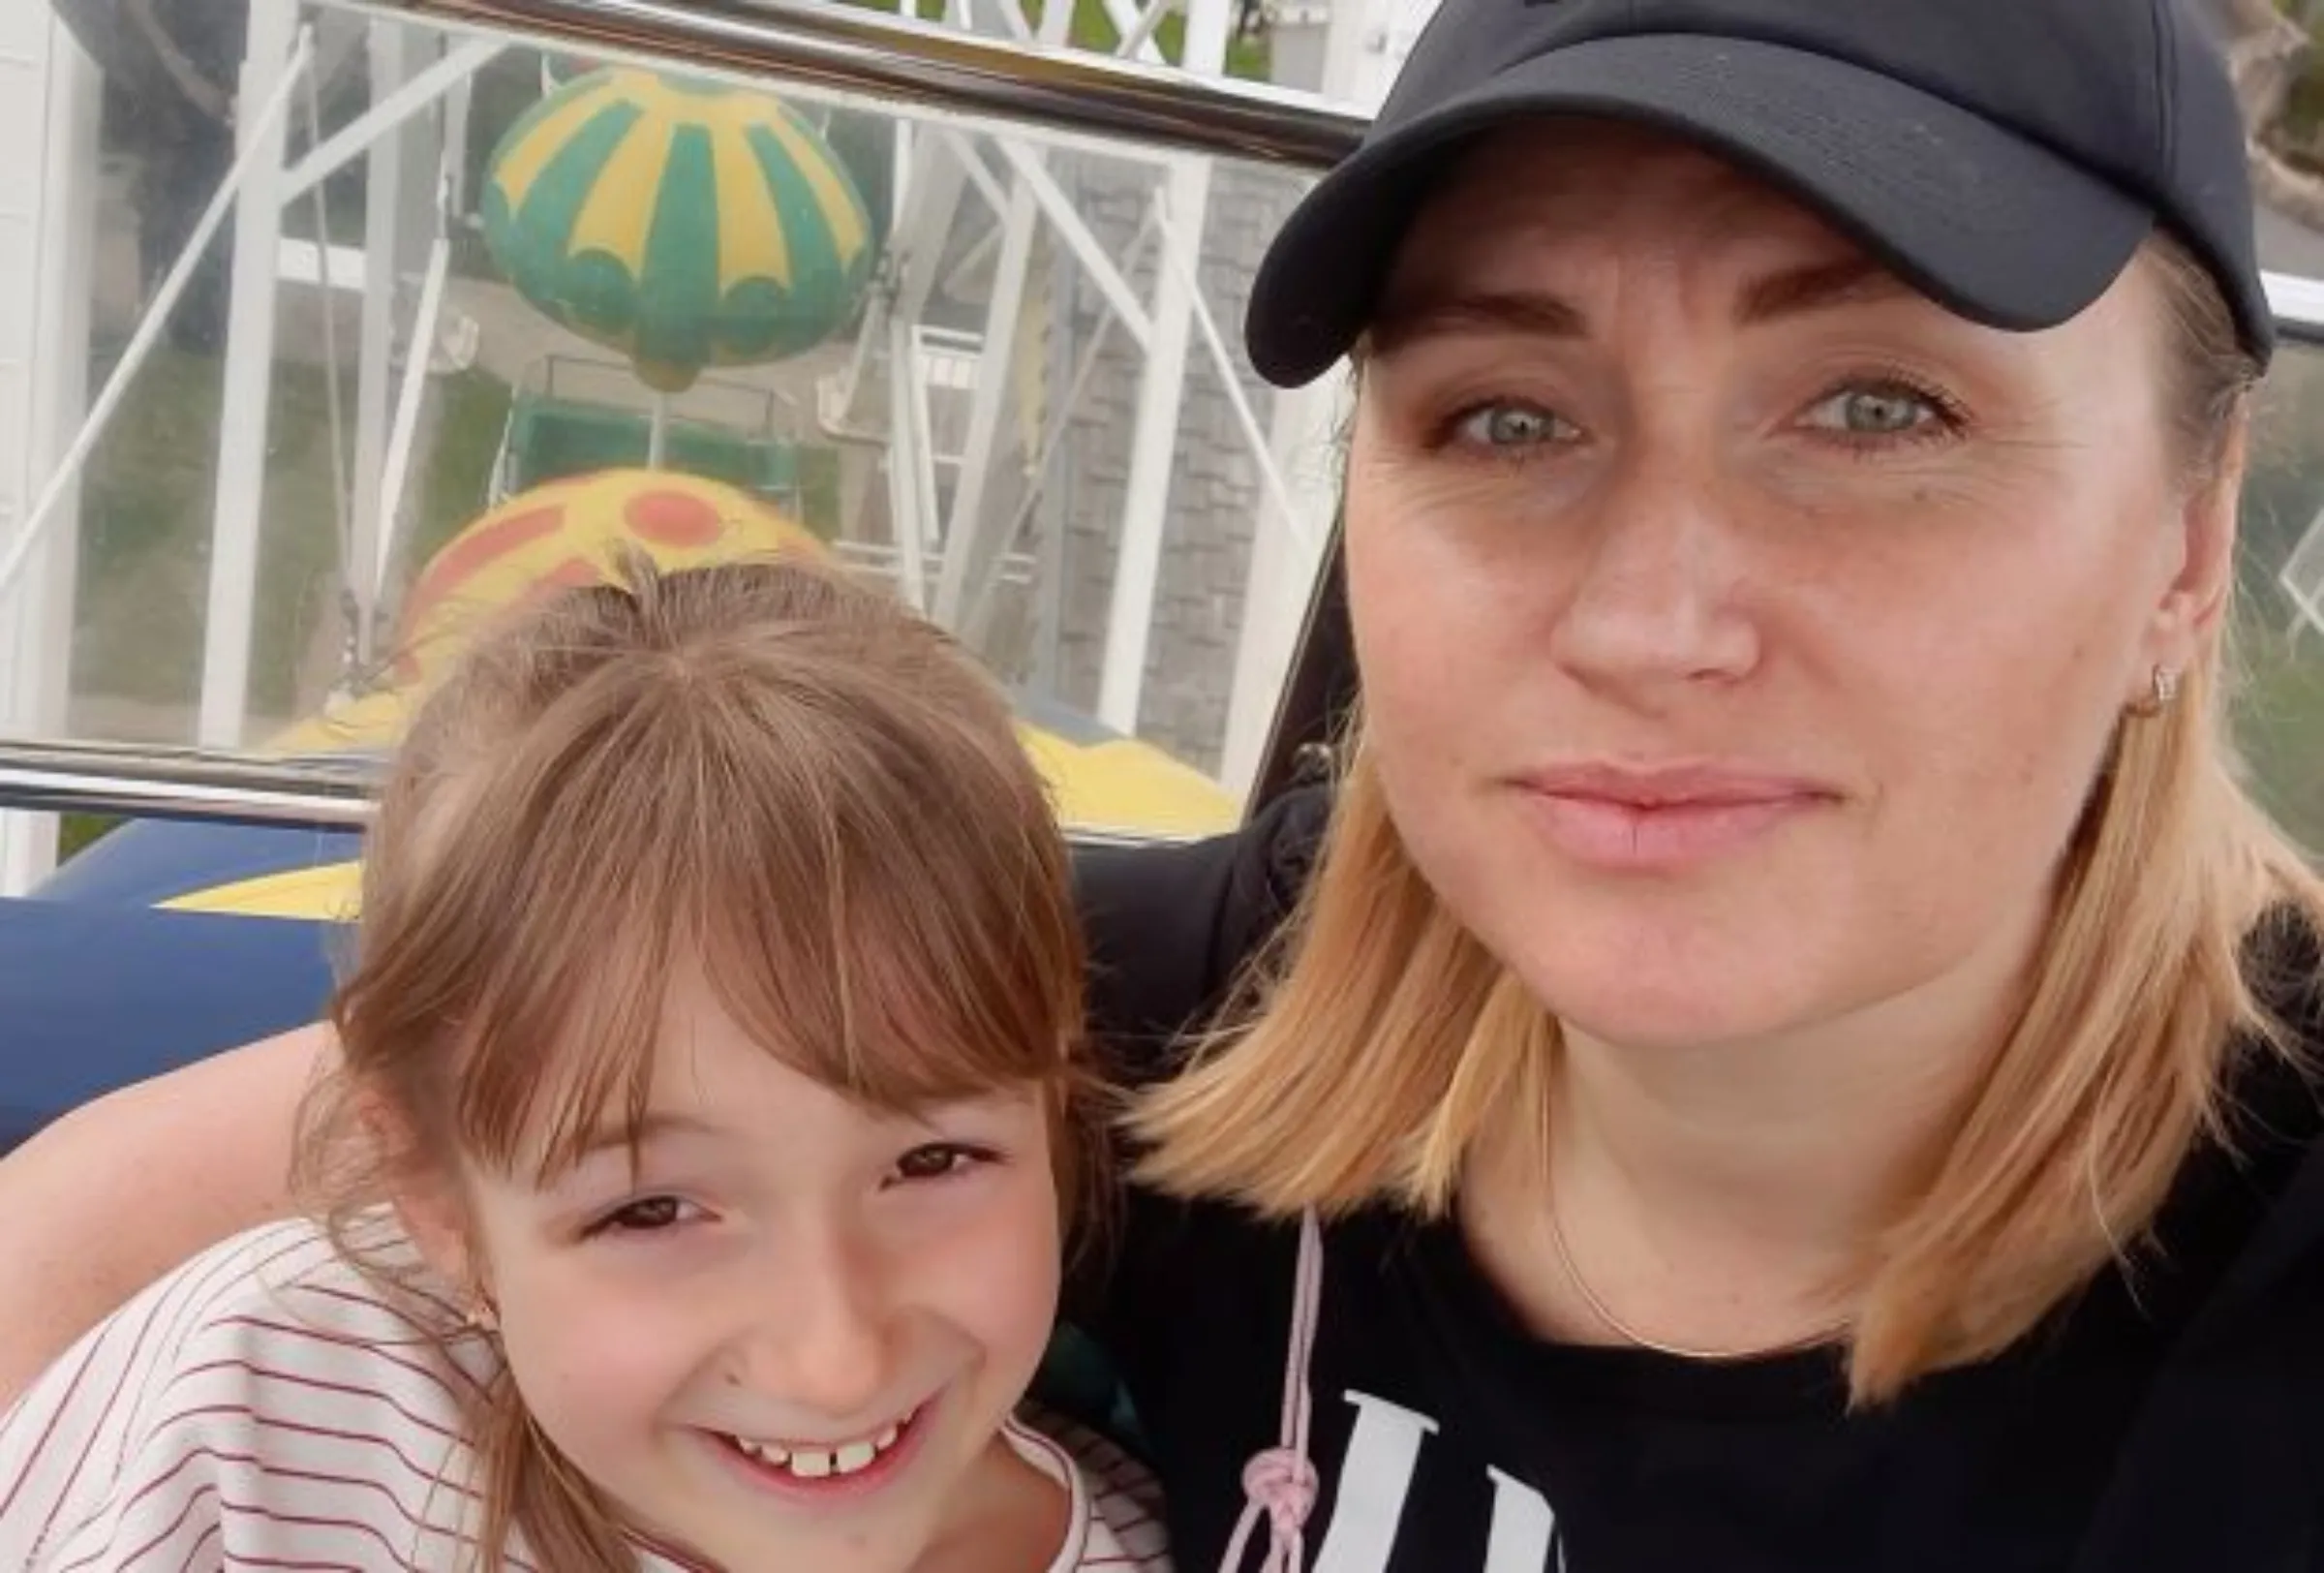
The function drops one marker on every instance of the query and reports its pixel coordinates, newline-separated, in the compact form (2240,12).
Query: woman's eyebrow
(1539,313)
(1527,313)
(1852,281)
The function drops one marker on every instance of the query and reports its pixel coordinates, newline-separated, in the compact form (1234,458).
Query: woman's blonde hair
(1379,1039)
(762,770)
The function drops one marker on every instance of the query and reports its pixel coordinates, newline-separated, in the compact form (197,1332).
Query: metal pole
(910,62)
(910,473)
(182,784)
(393,109)
(64,223)
(964,530)
(243,411)
(965,527)
(193,785)
(1153,451)
(395,470)
(1304,436)
(382,271)
(141,342)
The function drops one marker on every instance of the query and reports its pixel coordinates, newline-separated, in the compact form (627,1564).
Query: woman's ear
(2194,601)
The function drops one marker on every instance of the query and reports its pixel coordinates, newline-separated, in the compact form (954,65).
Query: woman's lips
(1663,820)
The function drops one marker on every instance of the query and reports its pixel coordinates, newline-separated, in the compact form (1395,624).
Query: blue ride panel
(95,996)
(154,860)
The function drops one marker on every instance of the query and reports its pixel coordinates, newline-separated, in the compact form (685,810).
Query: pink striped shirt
(265,1406)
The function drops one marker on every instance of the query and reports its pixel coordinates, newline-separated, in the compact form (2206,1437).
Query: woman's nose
(1652,600)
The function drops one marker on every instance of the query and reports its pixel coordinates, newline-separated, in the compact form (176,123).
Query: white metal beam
(995,194)
(928,200)
(63,210)
(1270,478)
(978,619)
(243,412)
(391,59)
(965,527)
(1280,581)
(149,328)
(388,113)
(912,469)
(1137,29)
(1153,451)
(395,471)
(1153,455)
(1072,228)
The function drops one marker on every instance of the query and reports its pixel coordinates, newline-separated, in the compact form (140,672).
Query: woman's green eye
(1505,427)
(1874,412)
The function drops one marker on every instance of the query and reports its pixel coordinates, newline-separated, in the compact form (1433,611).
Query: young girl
(693,1186)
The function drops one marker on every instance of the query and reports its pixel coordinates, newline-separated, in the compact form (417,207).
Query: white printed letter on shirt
(1374,1479)
(1523,1528)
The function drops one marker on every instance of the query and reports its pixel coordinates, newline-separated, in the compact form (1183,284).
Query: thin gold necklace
(1623,1330)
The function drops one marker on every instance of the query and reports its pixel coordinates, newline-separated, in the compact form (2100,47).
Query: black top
(2170,1419)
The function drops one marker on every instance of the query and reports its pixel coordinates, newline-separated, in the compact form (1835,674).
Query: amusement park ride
(818,307)
(761,275)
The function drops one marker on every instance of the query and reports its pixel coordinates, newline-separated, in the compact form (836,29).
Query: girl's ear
(427,1199)
(435,1223)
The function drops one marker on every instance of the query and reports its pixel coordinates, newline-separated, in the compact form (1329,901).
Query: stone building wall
(1215,493)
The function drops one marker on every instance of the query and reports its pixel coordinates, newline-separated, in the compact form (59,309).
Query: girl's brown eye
(648,1214)
(937,1161)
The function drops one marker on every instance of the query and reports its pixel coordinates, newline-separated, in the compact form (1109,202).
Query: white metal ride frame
(949,564)
(47,234)
(2302,579)
(279,56)
(970,546)
(415,69)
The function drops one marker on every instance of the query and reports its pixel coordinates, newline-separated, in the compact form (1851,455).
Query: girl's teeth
(821,1463)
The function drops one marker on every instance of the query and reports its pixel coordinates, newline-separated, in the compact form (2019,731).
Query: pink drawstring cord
(1279,1482)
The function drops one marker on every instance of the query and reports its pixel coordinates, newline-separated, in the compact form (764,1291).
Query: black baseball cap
(2004,157)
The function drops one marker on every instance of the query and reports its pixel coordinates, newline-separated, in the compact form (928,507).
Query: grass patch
(146,512)
(79,832)
(819,491)
(147,505)
(2280,705)
(473,412)
(2280,727)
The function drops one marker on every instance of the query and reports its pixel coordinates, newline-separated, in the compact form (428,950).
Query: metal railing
(898,60)
(185,784)
(861,51)
(901,60)
(147,783)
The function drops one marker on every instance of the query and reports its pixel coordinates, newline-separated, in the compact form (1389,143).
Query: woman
(1794,1053)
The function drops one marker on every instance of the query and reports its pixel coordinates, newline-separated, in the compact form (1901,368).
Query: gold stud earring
(2162,692)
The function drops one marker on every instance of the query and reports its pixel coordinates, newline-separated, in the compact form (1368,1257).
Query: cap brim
(1986,223)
